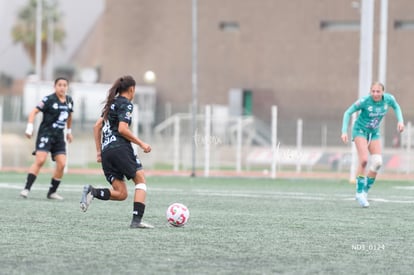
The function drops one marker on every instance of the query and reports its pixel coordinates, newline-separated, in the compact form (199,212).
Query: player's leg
(112,163)
(361,144)
(375,150)
(60,162)
(140,187)
(40,158)
(117,164)
(131,167)
(139,200)
(118,192)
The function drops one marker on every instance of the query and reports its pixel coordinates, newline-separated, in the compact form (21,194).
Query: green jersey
(371,113)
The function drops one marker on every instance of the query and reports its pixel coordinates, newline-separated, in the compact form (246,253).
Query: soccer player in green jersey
(366,135)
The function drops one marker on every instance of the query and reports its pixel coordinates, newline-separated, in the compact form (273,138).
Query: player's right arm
(345,121)
(97,133)
(29,128)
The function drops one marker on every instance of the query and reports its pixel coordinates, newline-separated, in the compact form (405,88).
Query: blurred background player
(113,140)
(366,135)
(57,111)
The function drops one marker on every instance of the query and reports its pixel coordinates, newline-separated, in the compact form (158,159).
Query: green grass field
(237,226)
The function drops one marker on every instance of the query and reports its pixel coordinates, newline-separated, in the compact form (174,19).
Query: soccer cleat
(24,193)
(140,224)
(362,200)
(87,197)
(54,196)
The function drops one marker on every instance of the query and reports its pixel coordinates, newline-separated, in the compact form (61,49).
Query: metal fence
(223,143)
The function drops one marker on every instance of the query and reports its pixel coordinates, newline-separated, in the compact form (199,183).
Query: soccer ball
(177,214)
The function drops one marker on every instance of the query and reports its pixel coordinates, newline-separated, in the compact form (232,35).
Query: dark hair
(61,78)
(122,84)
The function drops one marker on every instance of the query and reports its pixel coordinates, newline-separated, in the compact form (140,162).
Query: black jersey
(120,110)
(55,115)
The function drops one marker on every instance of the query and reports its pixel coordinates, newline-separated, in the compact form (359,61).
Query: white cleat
(24,193)
(87,198)
(362,199)
(55,196)
(141,225)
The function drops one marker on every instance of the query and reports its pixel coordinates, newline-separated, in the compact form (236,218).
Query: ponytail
(121,84)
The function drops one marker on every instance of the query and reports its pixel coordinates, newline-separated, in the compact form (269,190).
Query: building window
(404,24)
(339,25)
(229,26)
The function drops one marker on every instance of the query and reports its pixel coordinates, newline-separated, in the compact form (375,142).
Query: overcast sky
(79,17)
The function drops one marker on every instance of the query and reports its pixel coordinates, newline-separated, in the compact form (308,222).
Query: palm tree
(24,31)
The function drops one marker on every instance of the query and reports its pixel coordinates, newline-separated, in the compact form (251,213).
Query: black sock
(30,180)
(101,193)
(54,184)
(138,212)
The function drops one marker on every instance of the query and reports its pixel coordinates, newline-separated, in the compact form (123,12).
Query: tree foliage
(24,30)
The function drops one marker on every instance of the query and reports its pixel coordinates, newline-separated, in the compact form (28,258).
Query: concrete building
(301,55)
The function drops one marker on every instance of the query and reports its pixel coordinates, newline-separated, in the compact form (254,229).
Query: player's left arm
(69,136)
(398,113)
(124,117)
(123,129)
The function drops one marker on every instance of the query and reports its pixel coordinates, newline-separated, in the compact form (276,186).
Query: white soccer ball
(177,214)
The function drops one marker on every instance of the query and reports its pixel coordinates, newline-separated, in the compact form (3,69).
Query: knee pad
(376,162)
(141,186)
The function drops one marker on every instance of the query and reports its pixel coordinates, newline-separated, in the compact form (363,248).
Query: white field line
(244,194)
(404,187)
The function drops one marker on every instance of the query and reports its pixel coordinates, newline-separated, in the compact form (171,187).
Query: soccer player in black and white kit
(57,111)
(113,140)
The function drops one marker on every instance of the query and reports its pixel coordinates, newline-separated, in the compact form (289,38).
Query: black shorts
(54,145)
(121,162)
